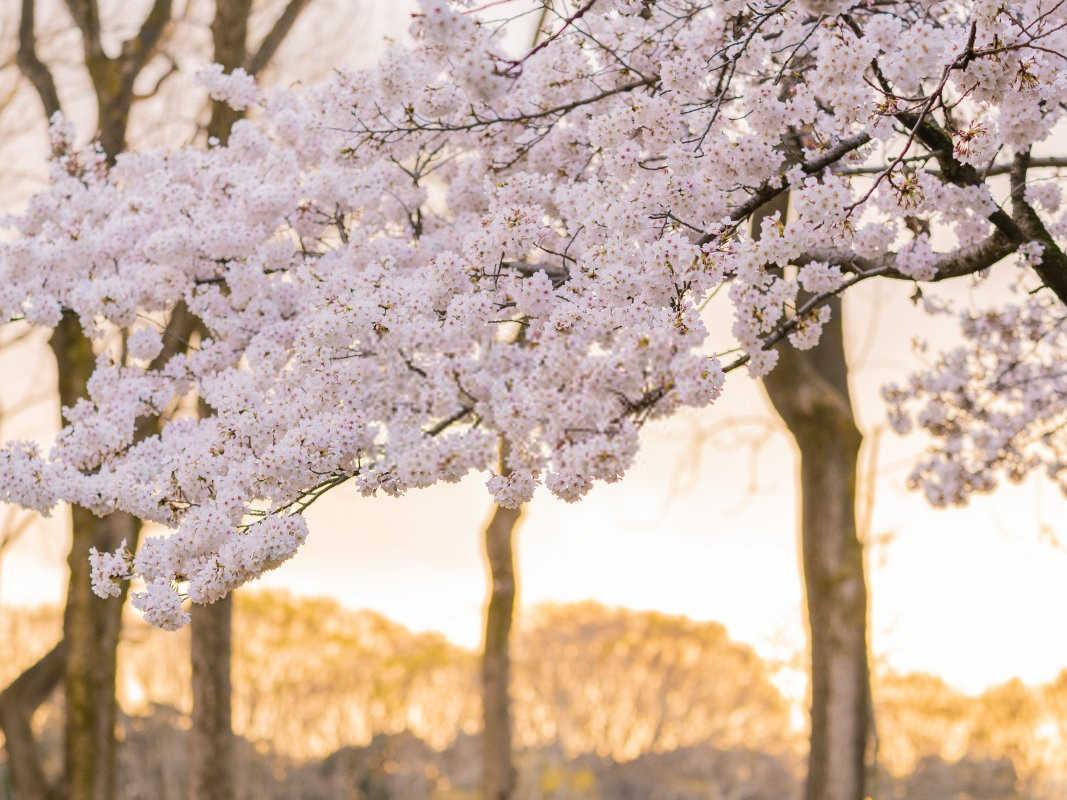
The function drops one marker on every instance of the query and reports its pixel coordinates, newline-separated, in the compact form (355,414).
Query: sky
(703,525)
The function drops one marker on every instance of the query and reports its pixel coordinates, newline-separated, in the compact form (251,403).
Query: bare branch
(274,38)
(31,66)
(86,16)
(138,49)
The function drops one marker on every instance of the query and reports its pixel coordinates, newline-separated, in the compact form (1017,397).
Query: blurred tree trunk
(498,771)
(211,646)
(91,625)
(91,629)
(211,738)
(809,390)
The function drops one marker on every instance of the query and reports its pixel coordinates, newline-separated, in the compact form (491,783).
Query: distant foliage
(608,702)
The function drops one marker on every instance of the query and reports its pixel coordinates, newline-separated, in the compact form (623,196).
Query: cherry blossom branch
(1052,266)
(965,261)
(775,186)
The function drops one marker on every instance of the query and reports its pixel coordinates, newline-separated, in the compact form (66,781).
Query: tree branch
(774,187)
(274,38)
(31,66)
(1052,269)
(965,261)
(18,701)
(86,16)
(1050,162)
(138,49)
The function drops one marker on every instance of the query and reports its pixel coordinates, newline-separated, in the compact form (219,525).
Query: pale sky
(973,595)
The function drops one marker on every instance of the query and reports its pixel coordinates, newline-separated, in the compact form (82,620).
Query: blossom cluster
(398,268)
(997,404)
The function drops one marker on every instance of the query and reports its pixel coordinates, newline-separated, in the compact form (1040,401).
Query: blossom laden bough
(396,269)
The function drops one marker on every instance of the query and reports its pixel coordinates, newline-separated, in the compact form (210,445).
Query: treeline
(329,702)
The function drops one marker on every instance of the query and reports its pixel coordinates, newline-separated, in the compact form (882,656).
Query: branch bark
(113,78)
(1023,225)
(1052,268)
(31,66)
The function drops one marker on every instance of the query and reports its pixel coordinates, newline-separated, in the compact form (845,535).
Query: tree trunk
(114,99)
(91,625)
(211,737)
(17,704)
(826,435)
(211,740)
(498,772)
(809,390)
(229,35)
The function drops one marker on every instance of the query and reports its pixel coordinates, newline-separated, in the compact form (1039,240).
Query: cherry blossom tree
(85,661)
(363,253)
(120,80)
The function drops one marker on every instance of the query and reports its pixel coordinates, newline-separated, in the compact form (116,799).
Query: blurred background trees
(608,703)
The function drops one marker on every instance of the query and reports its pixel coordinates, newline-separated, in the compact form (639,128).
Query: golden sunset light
(533,400)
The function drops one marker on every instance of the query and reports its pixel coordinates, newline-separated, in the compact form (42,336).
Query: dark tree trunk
(91,625)
(211,737)
(809,390)
(498,772)
(211,740)
(212,753)
(820,420)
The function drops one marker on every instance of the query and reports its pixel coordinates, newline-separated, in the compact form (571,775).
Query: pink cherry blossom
(397,268)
